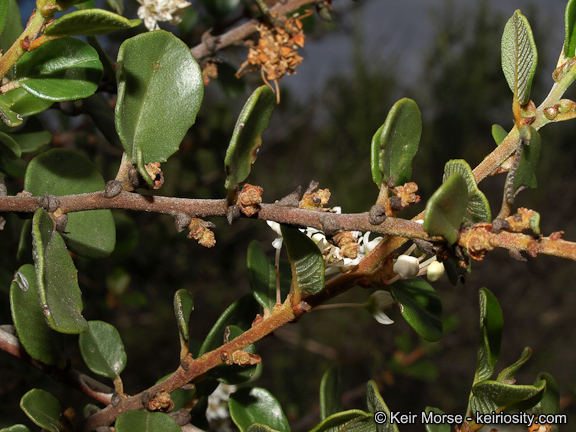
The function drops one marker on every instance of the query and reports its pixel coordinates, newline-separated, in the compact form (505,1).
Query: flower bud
(406,266)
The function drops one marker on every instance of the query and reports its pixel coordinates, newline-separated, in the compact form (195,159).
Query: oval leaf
(478,209)
(247,137)
(140,421)
(27,105)
(42,408)
(491,322)
(347,420)
(57,278)
(40,341)
(89,22)
(376,403)
(60,70)
(160,90)
(306,261)
(256,405)
(570,30)
(15,428)
(489,396)
(330,393)
(64,172)
(550,402)
(519,56)
(446,208)
(395,144)
(183,307)
(9,147)
(102,349)
(9,117)
(509,373)
(420,306)
(498,133)
(32,141)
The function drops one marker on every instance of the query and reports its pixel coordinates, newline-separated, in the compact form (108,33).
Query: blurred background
(446,56)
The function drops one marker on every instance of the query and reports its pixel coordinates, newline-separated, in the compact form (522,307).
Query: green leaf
(446,208)
(64,172)
(420,306)
(509,373)
(478,208)
(256,405)
(519,56)
(160,90)
(376,404)
(3,15)
(32,141)
(306,261)
(395,144)
(13,26)
(550,402)
(42,408)
(102,349)
(498,133)
(117,5)
(15,428)
(570,29)
(247,137)
(262,276)
(40,341)
(60,70)
(57,278)
(330,393)
(141,421)
(351,420)
(526,172)
(183,307)
(436,427)
(27,105)
(9,147)
(9,117)
(488,396)
(258,427)
(491,322)
(89,22)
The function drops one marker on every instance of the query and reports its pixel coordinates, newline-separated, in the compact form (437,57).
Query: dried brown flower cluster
(276,52)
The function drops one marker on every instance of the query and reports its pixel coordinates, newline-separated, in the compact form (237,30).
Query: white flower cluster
(218,403)
(153,11)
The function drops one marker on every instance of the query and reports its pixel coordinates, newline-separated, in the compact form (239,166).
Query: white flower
(435,271)
(153,11)
(406,266)
(378,303)
(218,402)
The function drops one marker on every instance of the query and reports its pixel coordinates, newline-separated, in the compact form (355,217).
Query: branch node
(377,214)
(113,188)
(330,224)
(48,202)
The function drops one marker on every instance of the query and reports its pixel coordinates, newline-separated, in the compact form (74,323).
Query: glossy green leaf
(89,22)
(256,405)
(488,396)
(258,427)
(40,341)
(15,428)
(330,393)
(32,141)
(395,144)
(64,172)
(550,402)
(42,408)
(509,373)
(9,147)
(26,104)
(160,90)
(141,421)
(57,278)
(220,8)
(183,307)
(478,208)
(570,29)
(9,117)
(519,56)
(13,26)
(262,276)
(446,208)
(102,349)
(491,322)
(376,403)
(436,427)
(306,261)
(420,306)
(351,420)
(247,137)
(3,15)
(60,70)
(235,374)
(526,172)
(498,133)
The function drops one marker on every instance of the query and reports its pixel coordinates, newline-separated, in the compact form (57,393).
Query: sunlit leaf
(141,421)
(247,137)
(395,144)
(446,208)
(15,428)
(60,70)
(256,405)
(40,341)
(498,133)
(42,408)
(160,90)
(420,306)
(89,22)
(330,393)
(491,322)
(478,208)
(57,278)
(519,56)
(102,349)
